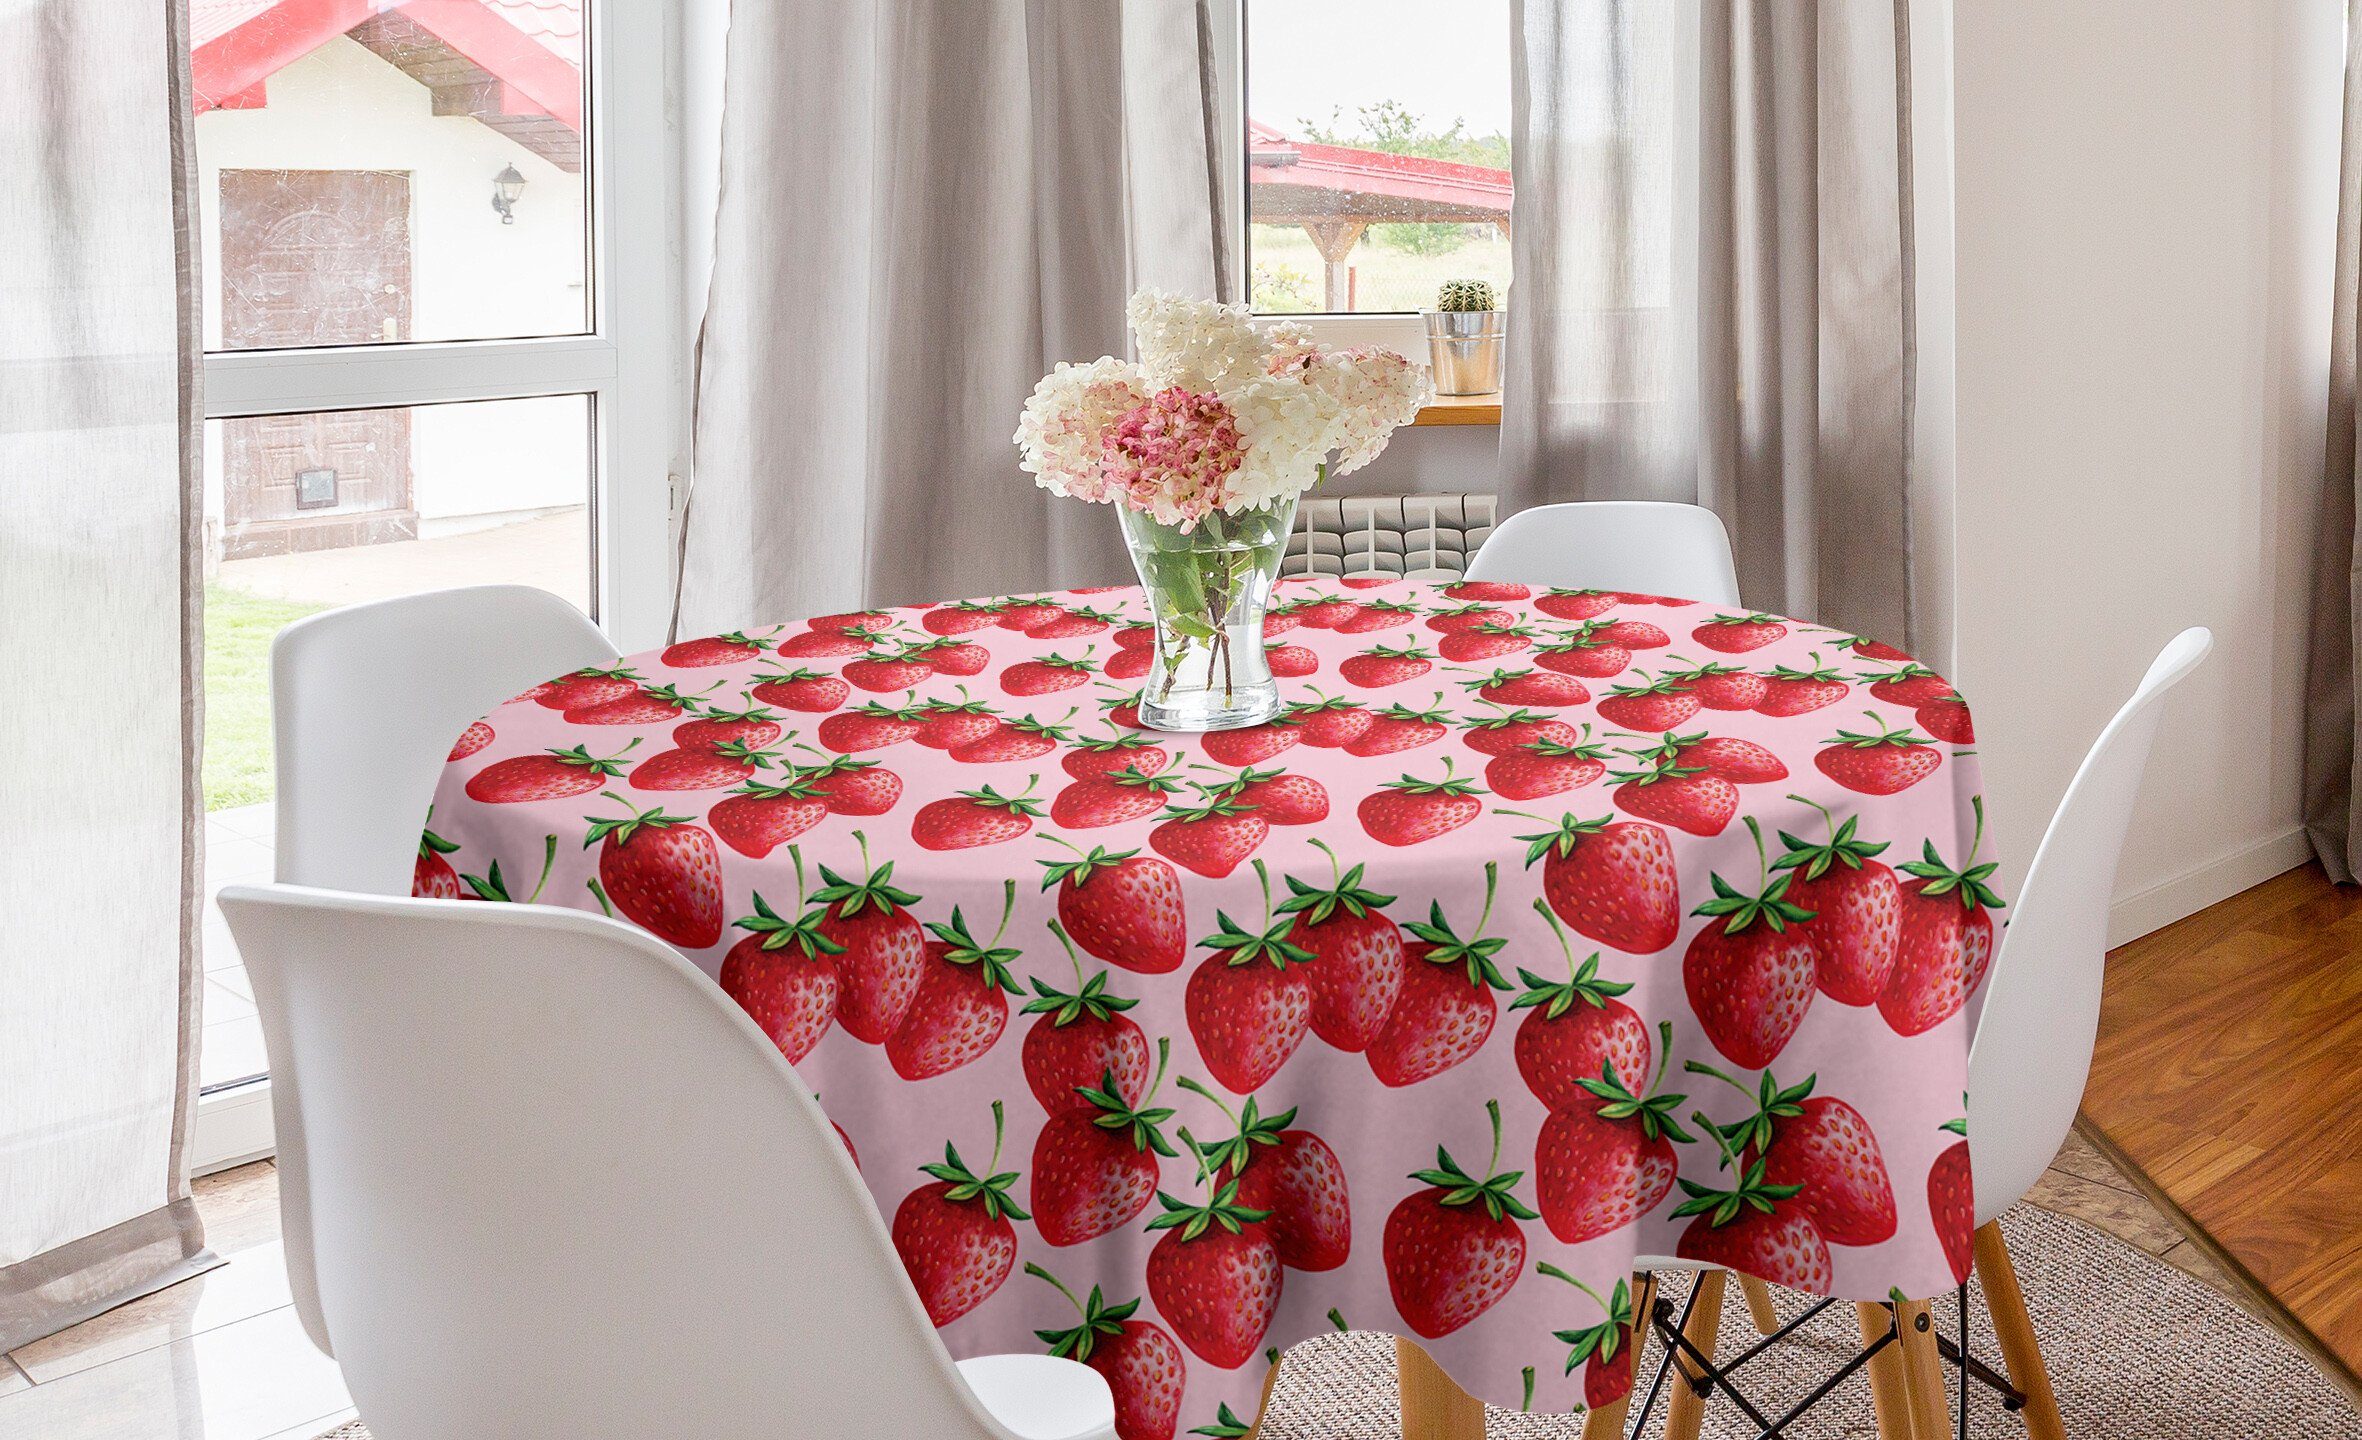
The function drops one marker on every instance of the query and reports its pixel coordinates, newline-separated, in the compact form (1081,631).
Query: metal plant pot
(1465,347)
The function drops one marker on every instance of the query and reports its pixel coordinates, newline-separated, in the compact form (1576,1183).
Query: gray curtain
(1713,285)
(99,505)
(2333,748)
(923,207)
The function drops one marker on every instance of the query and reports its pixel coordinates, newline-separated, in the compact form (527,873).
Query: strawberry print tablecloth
(1547,929)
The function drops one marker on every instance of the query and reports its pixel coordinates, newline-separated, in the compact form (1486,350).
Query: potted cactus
(1466,333)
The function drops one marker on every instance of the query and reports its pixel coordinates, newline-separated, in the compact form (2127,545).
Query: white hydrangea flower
(1197,345)
(1066,421)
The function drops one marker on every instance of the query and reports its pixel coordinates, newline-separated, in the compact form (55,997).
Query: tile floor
(237,852)
(222,1357)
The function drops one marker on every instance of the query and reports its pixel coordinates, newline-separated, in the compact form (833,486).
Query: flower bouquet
(1204,445)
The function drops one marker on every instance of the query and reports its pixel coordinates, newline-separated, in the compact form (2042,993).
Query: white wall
(2144,214)
(343,108)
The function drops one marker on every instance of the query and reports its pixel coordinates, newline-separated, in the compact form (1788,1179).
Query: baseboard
(233,1128)
(2193,890)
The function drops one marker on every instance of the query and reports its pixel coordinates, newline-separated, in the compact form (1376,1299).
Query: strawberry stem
(1039,1273)
(1068,945)
(549,858)
(999,1122)
(601,896)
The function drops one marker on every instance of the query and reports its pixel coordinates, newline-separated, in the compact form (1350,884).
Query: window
(439,329)
(1376,152)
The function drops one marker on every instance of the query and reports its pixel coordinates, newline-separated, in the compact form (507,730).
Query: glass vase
(1207,590)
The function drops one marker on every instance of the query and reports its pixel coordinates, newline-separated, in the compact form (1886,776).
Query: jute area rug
(2137,1350)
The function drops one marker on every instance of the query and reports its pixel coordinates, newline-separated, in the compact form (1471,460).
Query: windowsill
(1461,410)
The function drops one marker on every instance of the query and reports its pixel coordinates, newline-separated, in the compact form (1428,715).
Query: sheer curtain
(98,615)
(2333,745)
(1713,300)
(923,207)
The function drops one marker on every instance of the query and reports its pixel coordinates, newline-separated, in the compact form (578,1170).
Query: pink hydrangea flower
(1171,455)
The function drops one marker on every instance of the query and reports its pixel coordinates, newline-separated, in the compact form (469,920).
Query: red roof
(532,47)
(1406,186)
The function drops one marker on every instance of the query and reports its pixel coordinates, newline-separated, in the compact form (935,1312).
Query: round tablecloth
(1548,929)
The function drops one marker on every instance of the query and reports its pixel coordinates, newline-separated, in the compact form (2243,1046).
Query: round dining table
(1542,932)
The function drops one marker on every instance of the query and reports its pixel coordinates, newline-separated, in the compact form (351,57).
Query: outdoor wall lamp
(506,187)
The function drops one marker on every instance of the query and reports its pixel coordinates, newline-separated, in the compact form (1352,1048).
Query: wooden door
(310,258)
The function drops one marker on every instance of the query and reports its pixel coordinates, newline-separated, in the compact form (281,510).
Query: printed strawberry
(1357,954)
(1485,642)
(1446,1011)
(949,656)
(949,723)
(753,728)
(490,885)
(1951,1201)
(1384,665)
(853,622)
(1911,686)
(1822,1146)
(1686,797)
(971,818)
(1067,624)
(1024,738)
(954,1236)
(1048,674)
(699,767)
(475,737)
(1584,652)
(852,787)
(1513,730)
(1139,637)
(1330,722)
(1210,838)
(1373,615)
(1788,691)
(1143,1367)
(784,974)
(1097,755)
(756,819)
(1094,1168)
(1496,592)
(1278,797)
(1288,662)
(1528,687)
(1398,728)
(1637,597)
(871,726)
(1455,1248)
(883,672)
(1575,604)
(1249,1003)
(1602,1164)
(1878,764)
(1603,1350)
(822,644)
(1291,1175)
(962,618)
(1546,767)
(1459,618)
(1322,613)
(1873,650)
(1742,762)
(1410,810)
(1081,1039)
(1025,614)
(431,876)
(1613,880)
(1634,635)
(1660,704)
(662,872)
(1947,720)
(962,1003)
(1718,686)
(1123,907)
(1733,634)
(1575,1029)
(1248,745)
(1756,1229)
(809,691)
(1750,979)
(730,649)
(885,952)
(551,775)
(1856,903)
(1111,799)
(584,689)
(1215,1275)
(1946,943)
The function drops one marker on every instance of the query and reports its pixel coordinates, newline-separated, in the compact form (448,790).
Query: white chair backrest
(561,1187)
(1649,547)
(2041,1014)
(367,700)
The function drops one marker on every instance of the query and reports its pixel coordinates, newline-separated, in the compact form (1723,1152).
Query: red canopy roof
(1306,181)
(531,49)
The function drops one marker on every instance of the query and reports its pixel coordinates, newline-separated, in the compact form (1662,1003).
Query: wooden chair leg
(1270,1382)
(2020,1352)
(1687,1408)
(1923,1370)
(1888,1394)
(1607,1422)
(1433,1408)
(1759,1305)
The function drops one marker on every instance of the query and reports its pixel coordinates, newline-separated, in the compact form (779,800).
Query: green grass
(238,631)
(1386,278)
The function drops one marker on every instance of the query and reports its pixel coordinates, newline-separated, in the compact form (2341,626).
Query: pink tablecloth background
(1857,981)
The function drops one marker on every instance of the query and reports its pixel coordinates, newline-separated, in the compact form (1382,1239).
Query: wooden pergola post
(1335,239)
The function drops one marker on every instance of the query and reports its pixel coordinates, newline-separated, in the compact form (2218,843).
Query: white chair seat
(1043,1397)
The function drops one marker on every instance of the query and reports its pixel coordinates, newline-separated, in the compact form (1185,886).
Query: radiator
(1412,537)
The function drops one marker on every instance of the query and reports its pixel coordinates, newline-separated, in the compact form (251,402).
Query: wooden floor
(2228,1082)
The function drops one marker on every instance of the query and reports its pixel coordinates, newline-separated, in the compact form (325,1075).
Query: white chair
(2032,1049)
(366,701)
(561,1187)
(1649,547)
